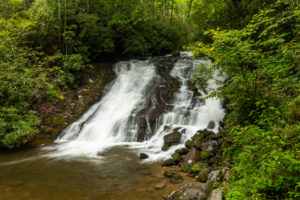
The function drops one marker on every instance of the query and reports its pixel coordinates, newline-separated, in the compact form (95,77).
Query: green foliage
(262,61)
(195,169)
(17,128)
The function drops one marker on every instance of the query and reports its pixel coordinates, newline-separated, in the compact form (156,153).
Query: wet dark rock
(176,53)
(202,176)
(171,139)
(217,160)
(168,162)
(143,156)
(221,124)
(188,144)
(161,91)
(190,191)
(177,157)
(211,125)
(206,155)
(192,86)
(182,151)
(224,103)
(167,128)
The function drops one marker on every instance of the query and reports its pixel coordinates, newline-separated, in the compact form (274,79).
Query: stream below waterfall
(97,157)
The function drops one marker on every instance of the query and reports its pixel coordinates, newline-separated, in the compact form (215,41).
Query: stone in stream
(190,191)
(182,151)
(143,156)
(171,139)
(211,125)
(188,144)
(177,157)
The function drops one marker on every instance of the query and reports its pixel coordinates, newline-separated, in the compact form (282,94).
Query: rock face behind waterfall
(160,92)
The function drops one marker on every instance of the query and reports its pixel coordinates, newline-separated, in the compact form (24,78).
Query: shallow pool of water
(119,175)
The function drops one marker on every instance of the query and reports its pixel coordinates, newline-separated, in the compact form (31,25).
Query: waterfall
(114,119)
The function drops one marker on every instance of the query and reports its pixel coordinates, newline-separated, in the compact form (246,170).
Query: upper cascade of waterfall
(139,104)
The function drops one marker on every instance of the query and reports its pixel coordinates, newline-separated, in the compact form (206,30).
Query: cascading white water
(187,115)
(112,121)
(105,123)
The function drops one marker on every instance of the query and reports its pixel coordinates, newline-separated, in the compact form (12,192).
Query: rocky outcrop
(161,91)
(190,191)
(216,194)
(202,158)
(171,139)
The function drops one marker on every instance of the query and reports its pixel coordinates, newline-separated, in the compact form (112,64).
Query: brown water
(28,174)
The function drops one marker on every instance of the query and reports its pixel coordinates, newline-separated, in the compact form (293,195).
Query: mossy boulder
(204,155)
(177,157)
(202,176)
(182,151)
(188,144)
(171,139)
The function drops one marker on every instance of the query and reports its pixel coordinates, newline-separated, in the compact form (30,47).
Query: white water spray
(108,123)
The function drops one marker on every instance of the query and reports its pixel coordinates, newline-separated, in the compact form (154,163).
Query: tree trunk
(65,26)
(59,22)
(189,9)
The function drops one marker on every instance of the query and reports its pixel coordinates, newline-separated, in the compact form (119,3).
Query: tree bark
(59,22)
(189,9)
(65,26)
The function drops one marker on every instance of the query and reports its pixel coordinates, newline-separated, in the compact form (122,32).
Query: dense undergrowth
(263,127)
(45,45)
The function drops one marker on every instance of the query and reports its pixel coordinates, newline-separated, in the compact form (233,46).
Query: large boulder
(215,176)
(191,158)
(190,191)
(211,125)
(202,176)
(182,151)
(171,139)
(216,194)
(177,157)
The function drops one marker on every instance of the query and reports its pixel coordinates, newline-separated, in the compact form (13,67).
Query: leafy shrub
(263,127)
(16,127)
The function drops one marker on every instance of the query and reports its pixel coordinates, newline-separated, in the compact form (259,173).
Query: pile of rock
(201,158)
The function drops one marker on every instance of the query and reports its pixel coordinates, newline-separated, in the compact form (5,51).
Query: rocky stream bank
(200,162)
